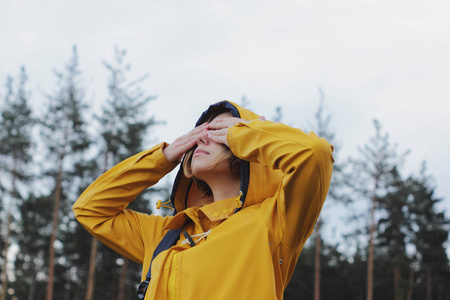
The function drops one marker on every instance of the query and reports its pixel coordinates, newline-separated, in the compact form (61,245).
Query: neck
(224,187)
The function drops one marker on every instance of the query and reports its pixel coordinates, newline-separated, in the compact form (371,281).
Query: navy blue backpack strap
(170,239)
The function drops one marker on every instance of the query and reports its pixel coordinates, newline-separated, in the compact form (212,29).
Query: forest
(49,155)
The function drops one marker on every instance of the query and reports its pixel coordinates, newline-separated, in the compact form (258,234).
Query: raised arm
(306,162)
(101,209)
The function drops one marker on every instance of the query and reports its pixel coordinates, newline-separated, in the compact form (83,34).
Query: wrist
(170,156)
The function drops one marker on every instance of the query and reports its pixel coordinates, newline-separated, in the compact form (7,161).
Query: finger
(216,124)
(187,141)
(218,136)
(224,123)
(199,128)
(175,151)
(192,134)
(262,118)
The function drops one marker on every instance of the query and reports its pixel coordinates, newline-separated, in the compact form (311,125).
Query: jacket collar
(216,211)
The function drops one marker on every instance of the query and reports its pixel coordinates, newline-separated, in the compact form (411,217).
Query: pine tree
(66,140)
(278,114)
(341,275)
(124,125)
(300,286)
(369,176)
(75,239)
(431,229)
(245,102)
(322,129)
(393,238)
(33,243)
(15,146)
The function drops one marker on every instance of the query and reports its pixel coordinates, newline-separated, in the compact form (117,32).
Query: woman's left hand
(218,128)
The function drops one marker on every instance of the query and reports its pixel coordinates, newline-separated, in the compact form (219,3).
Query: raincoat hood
(258,181)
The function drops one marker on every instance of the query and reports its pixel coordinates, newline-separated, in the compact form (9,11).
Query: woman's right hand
(175,151)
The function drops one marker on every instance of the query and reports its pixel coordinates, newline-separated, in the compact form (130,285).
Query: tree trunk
(9,218)
(51,261)
(428,283)
(123,276)
(91,275)
(32,289)
(317,261)
(370,254)
(440,291)
(94,249)
(410,284)
(397,290)
(4,277)
(371,243)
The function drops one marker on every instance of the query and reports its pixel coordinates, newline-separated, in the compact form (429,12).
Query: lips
(199,151)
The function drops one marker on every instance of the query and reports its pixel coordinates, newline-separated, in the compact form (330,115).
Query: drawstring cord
(160,204)
(188,238)
(238,200)
(191,241)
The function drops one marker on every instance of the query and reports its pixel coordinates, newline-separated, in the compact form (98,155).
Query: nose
(202,138)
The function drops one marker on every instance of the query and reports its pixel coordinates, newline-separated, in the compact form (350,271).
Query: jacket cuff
(157,152)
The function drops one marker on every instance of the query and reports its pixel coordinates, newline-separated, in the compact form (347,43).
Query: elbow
(90,214)
(323,151)
(86,220)
(76,210)
(316,154)
(77,207)
(80,212)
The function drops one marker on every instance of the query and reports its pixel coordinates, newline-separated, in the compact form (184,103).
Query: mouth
(199,151)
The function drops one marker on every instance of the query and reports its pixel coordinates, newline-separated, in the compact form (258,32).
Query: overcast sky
(381,59)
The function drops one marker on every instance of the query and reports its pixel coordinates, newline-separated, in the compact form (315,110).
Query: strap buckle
(142,289)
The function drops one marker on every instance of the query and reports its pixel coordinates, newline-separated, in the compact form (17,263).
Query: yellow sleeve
(101,209)
(306,163)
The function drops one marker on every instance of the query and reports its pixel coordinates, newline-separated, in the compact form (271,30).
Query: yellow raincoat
(245,247)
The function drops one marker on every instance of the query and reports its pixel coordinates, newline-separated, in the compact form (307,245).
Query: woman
(246,199)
